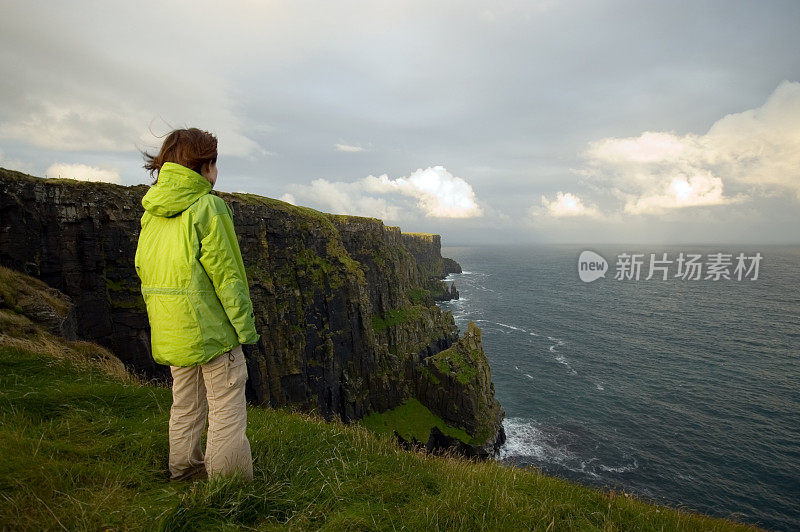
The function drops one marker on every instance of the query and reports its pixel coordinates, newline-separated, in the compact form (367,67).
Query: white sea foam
(504,325)
(484,288)
(558,343)
(526,438)
(526,374)
(620,469)
(512,327)
(561,359)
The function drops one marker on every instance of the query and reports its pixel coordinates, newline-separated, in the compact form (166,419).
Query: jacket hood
(176,189)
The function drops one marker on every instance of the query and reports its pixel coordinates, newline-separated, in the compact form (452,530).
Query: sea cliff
(344,304)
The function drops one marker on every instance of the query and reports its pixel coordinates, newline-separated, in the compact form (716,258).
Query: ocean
(684,392)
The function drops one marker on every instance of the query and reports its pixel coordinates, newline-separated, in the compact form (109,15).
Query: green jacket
(193,279)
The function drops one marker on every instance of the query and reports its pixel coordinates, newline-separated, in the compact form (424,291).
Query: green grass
(420,296)
(429,374)
(452,361)
(396,316)
(305,216)
(411,419)
(85,451)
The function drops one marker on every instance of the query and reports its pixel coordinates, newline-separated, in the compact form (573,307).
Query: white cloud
(348,148)
(565,204)
(437,193)
(757,150)
(288,198)
(682,191)
(82,172)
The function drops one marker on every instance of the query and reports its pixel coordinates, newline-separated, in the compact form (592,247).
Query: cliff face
(427,251)
(457,384)
(346,321)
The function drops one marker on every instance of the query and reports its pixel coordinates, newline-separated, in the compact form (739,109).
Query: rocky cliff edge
(348,324)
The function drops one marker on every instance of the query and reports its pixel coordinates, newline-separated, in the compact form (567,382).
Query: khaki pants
(214,389)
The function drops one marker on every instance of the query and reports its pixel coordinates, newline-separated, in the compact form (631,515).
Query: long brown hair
(191,148)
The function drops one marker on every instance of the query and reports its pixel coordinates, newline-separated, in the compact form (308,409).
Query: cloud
(15,164)
(757,150)
(344,198)
(348,148)
(72,125)
(116,122)
(82,172)
(63,92)
(682,191)
(437,192)
(433,84)
(565,204)
(440,194)
(288,198)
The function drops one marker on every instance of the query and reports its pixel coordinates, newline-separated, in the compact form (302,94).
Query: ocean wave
(621,469)
(528,440)
(484,288)
(561,359)
(558,343)
(524,438)
(526,374)
(513,327)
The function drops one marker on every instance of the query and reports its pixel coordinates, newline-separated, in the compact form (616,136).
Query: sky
(486,122)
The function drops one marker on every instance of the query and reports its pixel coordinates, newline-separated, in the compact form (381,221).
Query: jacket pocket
(235,368)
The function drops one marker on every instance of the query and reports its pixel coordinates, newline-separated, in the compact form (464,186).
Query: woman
(198,304)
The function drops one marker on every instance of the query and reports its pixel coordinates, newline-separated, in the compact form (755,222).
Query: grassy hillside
(86,448)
